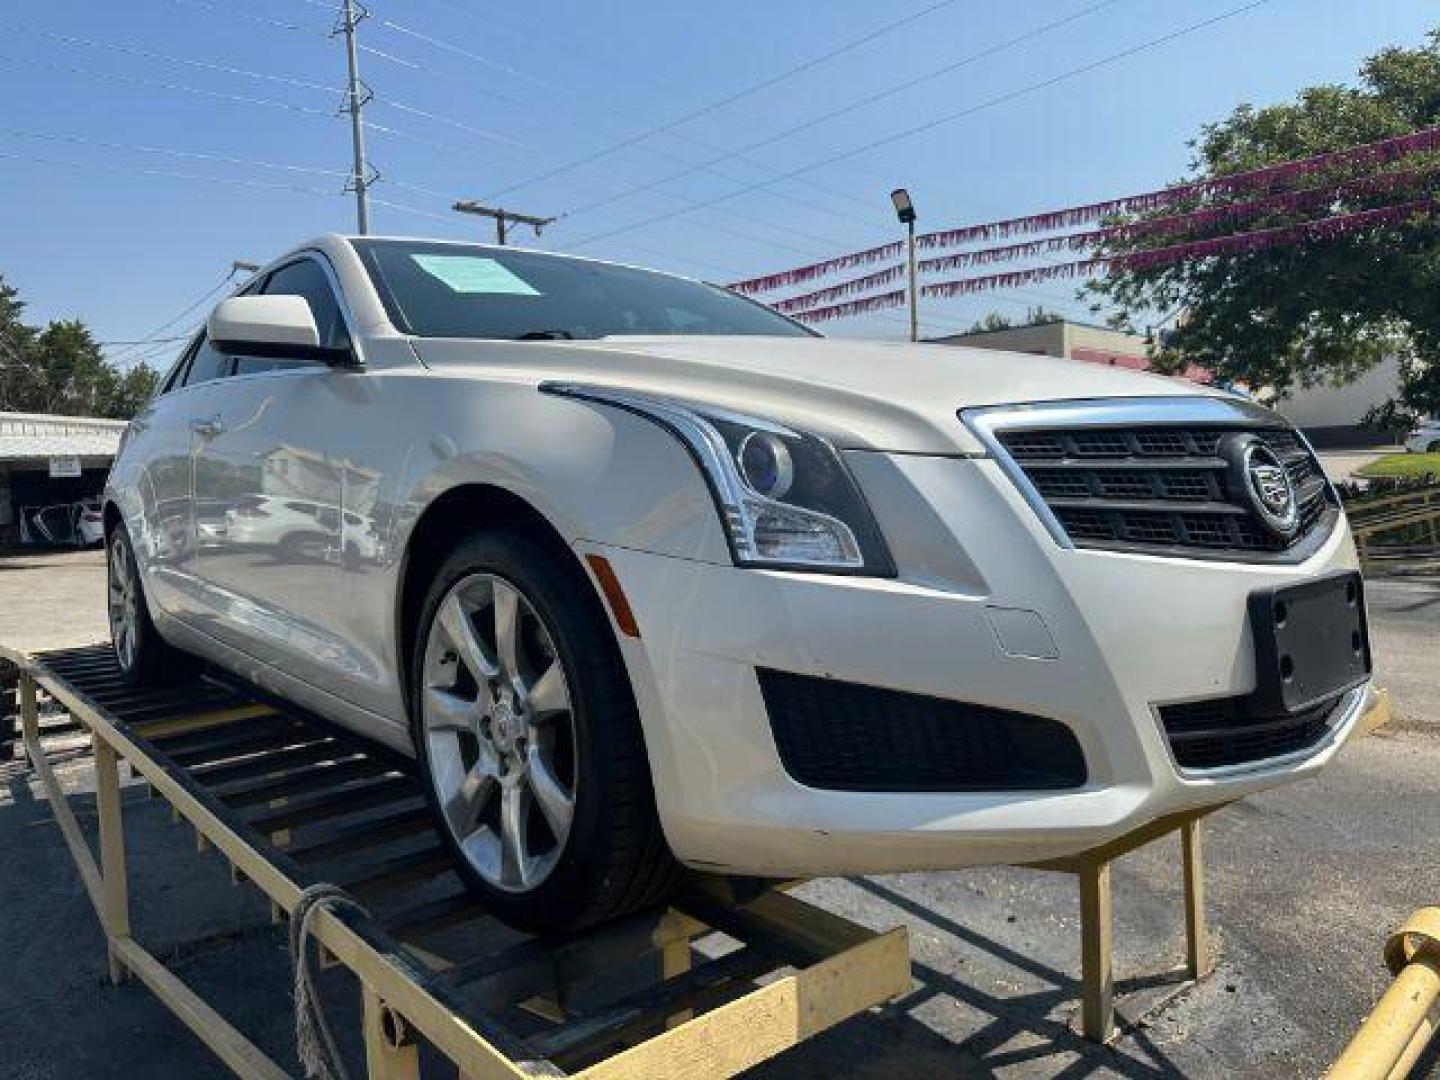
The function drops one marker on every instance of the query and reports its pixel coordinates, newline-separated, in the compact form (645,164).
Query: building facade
(50,462)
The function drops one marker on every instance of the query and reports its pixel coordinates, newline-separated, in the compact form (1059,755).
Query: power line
(197,302)
(939,121)
(232,11)
(870,99)
(731,98)
(808,203)
(870,222)
(169,174)
(199,155)
(135,50)
(135,80)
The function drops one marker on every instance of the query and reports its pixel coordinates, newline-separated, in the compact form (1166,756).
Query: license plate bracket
(1312,642)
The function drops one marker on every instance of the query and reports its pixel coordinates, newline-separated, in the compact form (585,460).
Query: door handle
(206,427)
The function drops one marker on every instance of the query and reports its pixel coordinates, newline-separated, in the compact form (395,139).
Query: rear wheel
(1433,448)
(143,655)
(529,741)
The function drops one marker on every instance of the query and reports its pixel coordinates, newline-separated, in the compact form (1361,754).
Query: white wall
(1341,406)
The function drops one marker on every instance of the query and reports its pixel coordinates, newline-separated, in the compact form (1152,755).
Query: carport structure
(46,460)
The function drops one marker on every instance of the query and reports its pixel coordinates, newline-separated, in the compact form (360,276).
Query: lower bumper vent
(1224,731)
(841,736)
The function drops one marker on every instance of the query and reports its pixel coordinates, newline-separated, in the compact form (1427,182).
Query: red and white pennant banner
(801,274)
(1240,243)
(1179,224)
(844,288)
(1255,180)
(852,307)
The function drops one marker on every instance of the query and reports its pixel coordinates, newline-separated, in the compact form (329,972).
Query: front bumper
(989,610)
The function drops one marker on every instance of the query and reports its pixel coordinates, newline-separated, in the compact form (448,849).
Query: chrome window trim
(987,422)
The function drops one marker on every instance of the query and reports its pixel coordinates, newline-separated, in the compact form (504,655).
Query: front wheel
(142,654)
(529,741)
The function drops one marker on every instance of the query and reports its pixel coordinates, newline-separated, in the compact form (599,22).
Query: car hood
(861,394)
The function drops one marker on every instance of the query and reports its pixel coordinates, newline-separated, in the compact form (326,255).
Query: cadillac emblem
(1258,471)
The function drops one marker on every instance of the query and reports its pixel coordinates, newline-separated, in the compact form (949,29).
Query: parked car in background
(657,576)
(72,524)
(1424,438)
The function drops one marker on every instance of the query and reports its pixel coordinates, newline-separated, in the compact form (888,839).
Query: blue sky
(483,99)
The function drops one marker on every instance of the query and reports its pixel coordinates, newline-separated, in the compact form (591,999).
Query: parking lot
(1303,885)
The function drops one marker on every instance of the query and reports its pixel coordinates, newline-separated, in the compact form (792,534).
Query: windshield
(465,291)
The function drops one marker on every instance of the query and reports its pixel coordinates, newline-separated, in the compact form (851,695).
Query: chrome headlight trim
(694,425)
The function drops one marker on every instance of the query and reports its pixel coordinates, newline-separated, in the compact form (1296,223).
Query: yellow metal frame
(863,969)
(1403,1023)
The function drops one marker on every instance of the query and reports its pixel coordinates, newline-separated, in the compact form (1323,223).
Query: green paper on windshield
(474,275)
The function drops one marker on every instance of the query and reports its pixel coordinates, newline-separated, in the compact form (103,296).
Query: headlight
(784,497)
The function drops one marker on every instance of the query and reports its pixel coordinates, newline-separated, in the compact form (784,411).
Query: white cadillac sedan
(644,574)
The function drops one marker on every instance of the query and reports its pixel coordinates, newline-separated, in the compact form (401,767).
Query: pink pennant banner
(835,292)
(852,307)
(1180,224)
(802,274)
(1240,243)
(1385,150)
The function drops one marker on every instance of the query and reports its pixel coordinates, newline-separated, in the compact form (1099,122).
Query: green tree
(1321,311)
(61,369)
(995,320)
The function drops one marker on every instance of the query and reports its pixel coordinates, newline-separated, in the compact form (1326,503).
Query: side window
(305,278)
(206,364)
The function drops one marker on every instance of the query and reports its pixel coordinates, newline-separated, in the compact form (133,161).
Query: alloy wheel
(123,601)
(499,731)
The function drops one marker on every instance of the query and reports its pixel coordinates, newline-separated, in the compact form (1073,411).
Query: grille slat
(1163,487)
(1223,731)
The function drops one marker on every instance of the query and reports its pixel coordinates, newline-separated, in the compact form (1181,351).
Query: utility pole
(355,98)
(905,210)
(470,206)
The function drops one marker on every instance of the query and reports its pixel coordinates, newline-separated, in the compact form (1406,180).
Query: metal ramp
(730,975)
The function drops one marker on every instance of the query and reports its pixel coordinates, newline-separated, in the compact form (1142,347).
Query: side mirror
(271,326)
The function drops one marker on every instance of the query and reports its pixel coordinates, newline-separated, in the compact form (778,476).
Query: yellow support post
(116,891)
(1197,944)
(1097,975)
(390,1051)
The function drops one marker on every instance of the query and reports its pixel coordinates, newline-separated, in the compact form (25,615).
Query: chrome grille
(1162,487)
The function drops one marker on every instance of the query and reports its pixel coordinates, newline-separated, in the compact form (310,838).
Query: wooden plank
(242,1056)
(369,833)
(389,1054)
(174,725)
(651,1005)
(70,829)
(337,802)
(1097,978)
(116,912)
(1198,961)
(326,775)
(436,915)
(401,870)
(276,762)
(756,1027)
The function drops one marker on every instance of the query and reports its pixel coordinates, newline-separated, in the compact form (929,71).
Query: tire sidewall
(562,597)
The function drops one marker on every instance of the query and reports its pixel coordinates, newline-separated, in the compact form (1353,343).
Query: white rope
(314,1041)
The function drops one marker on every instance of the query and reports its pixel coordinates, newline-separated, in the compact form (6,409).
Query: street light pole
(905,210)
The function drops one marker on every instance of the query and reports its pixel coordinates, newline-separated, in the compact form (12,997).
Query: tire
(144,657)
(1433,448)
(490,727)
